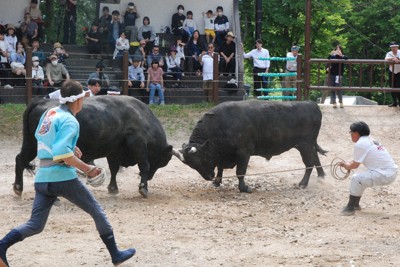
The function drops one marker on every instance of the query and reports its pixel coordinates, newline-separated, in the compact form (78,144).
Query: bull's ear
(183,145)
(204,145)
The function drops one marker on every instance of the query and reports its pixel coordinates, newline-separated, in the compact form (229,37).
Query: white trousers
(360,181)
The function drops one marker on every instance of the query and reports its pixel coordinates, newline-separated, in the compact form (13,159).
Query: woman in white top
(121,45)
(10,38)
(37,73)
(173,65)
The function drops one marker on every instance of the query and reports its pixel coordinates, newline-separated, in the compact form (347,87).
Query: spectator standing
(121,45)
(291,67)
(93,38)
(104,22)
(141,51)
(38,52)
(177,24)
(147,33)
(227,52)
(57,134)
(174,66)
(180,50)
(155,55)
(394,71)
(194,48)
(136,77)
(36,16)
(11,38)
(189,25)
(221,24)
(381,168)
(207,61)
(56,72)
(4,65)
(259,66)
(115,28)
(155,82)
(130,17)
(29,30)
(70,22)
(37,75)
(99,74)
(336,71)
(209,26)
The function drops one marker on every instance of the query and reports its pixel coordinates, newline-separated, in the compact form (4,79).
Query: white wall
(12,11)
(160,11)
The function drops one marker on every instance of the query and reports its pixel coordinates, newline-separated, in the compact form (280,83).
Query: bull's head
(197,157)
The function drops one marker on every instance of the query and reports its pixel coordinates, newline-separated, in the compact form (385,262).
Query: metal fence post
(125,62)
(215,78)
(28,78)
(299,76)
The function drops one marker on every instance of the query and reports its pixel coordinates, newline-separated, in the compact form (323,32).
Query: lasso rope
(337,171)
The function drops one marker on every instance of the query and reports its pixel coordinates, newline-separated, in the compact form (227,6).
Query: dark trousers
(258,80)
(137,92)
(5,73)
(225,68)
(395,83)
(94,47)
(220,37)
(69,28)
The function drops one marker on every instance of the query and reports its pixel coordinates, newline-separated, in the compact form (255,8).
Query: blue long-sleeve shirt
(135,74)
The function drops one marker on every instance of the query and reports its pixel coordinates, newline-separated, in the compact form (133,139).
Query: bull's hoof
(17,189)
(217,182)
(302,186)
(245,189)
(144,192)
(113,189)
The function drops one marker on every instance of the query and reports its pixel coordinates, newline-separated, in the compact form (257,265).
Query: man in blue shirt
(57,135)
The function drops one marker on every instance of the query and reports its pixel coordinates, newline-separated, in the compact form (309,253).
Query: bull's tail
(321,150)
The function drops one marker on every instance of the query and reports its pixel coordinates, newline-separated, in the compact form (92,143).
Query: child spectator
(29,30)
(10,38)
(121,45)
(221,25)
(174,66)
(195,48)
(155,55)
(4,65)
(177,24)
(115,28)
(104,22)
(130,17)
(189,25)
(136,77)
(155,82)
(93,40)
(209,31)
(17,61)
(37,51)
(227,64)
(37,75)
(147,33)
(60,52)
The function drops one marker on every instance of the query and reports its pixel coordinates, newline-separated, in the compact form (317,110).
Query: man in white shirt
(4,65)
(207,61)
(291,67)
(382,170)
(394,74)
(259,66)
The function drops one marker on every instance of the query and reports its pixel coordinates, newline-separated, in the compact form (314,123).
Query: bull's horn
(178,154)
(192,150)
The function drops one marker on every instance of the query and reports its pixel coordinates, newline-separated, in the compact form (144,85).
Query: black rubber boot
(117,256)
(357,204)
(10,239)
(349,209)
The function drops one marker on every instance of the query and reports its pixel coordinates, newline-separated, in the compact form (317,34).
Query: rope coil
(337,171)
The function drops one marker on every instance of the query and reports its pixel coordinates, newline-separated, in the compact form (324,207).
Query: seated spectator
(177,24)
(11,38)
(195,47)
(155,82)
(155,55)
(55,72)
(38,52)
(17,63)
(227,63)
(173,66)
(37,75)
(104,21)
(180,51)
(36,16)
(59,51)
(29,30)
(221,25)
(209,27)
(147,33)
(136,77)
(93,87)
(130,17)
(4,65)
(115,28)
(93,40)
(99,74)
(189,25)
(121,45)
(141,51)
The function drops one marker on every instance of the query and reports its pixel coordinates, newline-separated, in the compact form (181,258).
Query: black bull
(120,128)
(231,132)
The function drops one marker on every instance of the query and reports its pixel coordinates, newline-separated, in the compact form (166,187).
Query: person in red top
(155,82)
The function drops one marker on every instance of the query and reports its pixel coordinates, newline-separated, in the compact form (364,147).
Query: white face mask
(54,62)
(180,11)
(35,63)
(220,14)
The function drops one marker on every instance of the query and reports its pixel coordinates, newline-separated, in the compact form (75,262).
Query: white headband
(395,45)
(71,98)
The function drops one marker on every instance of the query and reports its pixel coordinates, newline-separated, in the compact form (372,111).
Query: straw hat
(53,56)
(10,26)
(57,45)
(230,34)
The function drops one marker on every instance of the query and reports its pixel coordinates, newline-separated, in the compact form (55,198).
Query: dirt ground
(187,222)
